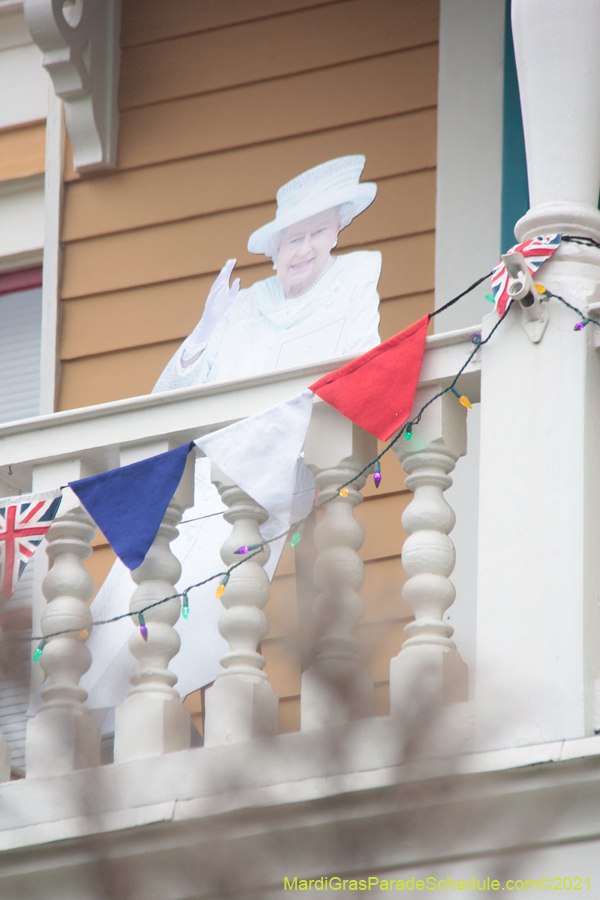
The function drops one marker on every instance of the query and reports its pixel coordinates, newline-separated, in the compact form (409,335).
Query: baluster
(242,704)
(337,686)
(152,720)
(63,736)
(429,660)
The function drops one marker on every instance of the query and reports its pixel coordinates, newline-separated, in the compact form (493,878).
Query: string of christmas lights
(248,552)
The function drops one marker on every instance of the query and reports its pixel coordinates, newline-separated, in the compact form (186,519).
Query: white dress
(263,330)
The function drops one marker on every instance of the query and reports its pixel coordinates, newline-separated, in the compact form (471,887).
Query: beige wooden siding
(22,151)
(221,102)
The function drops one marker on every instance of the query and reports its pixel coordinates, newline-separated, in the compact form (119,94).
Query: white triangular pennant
(261,455)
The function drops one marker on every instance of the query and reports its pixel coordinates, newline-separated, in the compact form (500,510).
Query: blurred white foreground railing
(49,451)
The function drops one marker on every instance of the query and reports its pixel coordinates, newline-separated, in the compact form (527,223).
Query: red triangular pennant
(377,390)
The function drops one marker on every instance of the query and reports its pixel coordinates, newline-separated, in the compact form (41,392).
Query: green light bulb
(297,536)
(39,650)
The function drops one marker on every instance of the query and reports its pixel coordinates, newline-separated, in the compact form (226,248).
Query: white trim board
(469,153)
(467,243)
(21,222)
(24,94)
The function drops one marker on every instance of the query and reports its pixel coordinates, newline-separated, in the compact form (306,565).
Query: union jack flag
(23,523)
(536,251)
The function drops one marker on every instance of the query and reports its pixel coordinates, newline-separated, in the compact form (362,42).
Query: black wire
(460,296)
(584,241)
(584,319)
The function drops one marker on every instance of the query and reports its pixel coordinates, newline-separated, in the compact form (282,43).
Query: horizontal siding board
(12,705)
(249,176)
(400,312)
(287,561)
(99,379)
(381,518)
(281,609)
(22,151)
(404,205)
(299,104)
(255,51)
(289,715)
(382,590)
(99,565)
(146,21)
(16,728)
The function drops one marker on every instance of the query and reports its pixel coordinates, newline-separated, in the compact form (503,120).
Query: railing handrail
(187,413)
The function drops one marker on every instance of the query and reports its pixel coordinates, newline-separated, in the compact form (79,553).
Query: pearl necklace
(325,269)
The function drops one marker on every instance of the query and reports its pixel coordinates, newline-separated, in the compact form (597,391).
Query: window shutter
(20,339)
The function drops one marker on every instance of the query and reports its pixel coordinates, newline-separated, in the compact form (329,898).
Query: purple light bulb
(241,551)
(579,327)
(377,473)
(144,632)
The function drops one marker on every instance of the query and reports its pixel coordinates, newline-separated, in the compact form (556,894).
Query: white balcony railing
(48,451)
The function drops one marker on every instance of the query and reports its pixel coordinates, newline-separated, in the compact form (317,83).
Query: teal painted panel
(515,191)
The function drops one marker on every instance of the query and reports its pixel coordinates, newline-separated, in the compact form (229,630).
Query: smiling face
(303,251)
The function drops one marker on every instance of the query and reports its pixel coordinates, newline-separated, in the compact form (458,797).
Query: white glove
(220,298)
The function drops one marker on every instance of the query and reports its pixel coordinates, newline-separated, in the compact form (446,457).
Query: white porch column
(429,659)
(539,528)
(63,736)
(242,704)
(152,720)
(337,686)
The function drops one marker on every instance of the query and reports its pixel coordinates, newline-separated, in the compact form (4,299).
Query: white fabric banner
(261,454)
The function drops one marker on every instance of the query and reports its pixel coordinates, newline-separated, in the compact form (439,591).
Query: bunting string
(584,241)
(460,296)
(406,430)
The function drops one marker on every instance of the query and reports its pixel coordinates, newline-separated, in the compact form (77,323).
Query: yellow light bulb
(84,635)
(465,401)
(344,492)
(540,288)
(220,590)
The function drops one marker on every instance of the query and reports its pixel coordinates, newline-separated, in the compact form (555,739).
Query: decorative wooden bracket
(80,43)
(521,287)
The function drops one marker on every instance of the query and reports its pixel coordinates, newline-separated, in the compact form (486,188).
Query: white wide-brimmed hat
(326,186)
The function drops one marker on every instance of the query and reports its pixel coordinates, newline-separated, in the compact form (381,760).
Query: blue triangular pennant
(128,504)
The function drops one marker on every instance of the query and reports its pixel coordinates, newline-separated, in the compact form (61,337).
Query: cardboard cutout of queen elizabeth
(316,307)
